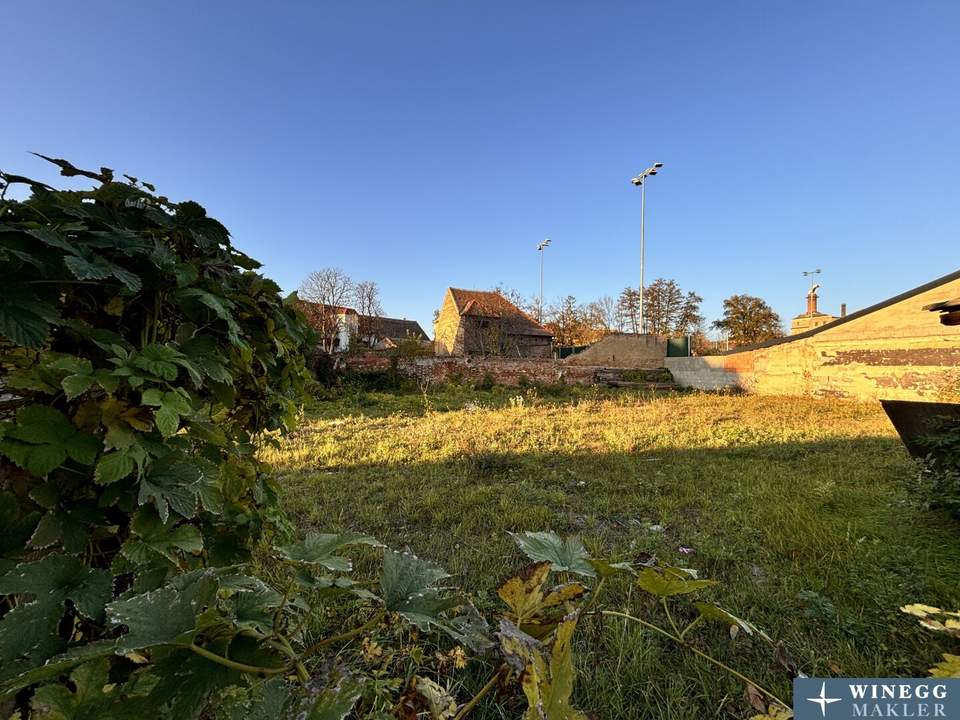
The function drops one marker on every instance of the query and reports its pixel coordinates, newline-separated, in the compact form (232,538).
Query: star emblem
(822,700)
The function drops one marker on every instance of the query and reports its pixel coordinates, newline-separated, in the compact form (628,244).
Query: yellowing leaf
(523,593)
(949,668)
(711,611)
(528,599)
(935,619)
(547,682)
(775,712)
(669,582)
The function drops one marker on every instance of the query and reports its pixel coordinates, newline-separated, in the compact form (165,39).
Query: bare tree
(628,310)
(528,305)
(603,314)
(566,320)
(366,296)
(329,289)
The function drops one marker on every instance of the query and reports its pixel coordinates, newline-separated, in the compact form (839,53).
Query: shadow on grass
(819,543)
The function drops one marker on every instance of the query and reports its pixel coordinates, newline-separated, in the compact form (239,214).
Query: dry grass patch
(797,506)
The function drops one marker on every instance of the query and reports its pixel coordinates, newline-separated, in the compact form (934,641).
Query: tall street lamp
(641,180)
(541,246)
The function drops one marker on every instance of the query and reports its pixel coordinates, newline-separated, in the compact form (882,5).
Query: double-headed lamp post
(541,246)
(641,180)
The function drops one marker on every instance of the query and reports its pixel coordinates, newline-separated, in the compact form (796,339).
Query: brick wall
(898,352)
(504,371)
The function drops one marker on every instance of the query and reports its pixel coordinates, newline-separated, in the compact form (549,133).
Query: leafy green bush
(940,470)
(485,383)
(144,359)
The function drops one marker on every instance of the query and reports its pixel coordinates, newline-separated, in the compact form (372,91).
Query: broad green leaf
(165,616)
(42,439)
(564,555)
(15,528)
(113,466)
(669,582)
(30,629)
(71,364)
(267,705)
(254,603)
(51,237)
(327,586)
(152,397)
(171,406)
(88,269)
(22,325)
(336,702)
(92,694)
(159,360)
(605,568)
(409,587)
(321,548)
(24,318)
(186,274)
(167,420)
(41,424)
(76,385)
(68,525)
(219,306)
(58,665)
(468,628)
(711,611)
(171,483)
(405,576)
(186,683)
(151,538)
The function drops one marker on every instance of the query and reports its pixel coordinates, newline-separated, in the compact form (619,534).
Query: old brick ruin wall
(898,352)
(503,371)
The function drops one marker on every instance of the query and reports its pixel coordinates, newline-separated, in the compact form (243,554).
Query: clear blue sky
(427,144)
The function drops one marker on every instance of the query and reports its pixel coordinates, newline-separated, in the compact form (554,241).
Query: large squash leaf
(564,555)
(30,629)
(321,548)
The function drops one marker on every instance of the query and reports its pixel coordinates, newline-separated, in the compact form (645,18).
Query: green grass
(797,506)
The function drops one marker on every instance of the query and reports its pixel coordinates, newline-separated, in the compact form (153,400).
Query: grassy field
(799,507)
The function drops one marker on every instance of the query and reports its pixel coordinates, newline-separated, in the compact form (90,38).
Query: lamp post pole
(641,180)
(541,246)
(643,248)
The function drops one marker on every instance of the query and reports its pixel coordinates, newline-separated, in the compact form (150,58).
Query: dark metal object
(916,421)
(949,311)
(678,347)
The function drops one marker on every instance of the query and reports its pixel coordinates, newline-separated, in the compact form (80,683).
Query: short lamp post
(641,180)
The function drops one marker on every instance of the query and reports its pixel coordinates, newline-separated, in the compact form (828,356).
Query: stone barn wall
(894,350)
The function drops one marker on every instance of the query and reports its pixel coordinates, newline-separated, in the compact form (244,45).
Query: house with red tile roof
(335,324)
(480,322)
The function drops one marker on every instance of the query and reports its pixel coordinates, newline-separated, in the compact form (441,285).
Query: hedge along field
(800,508)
